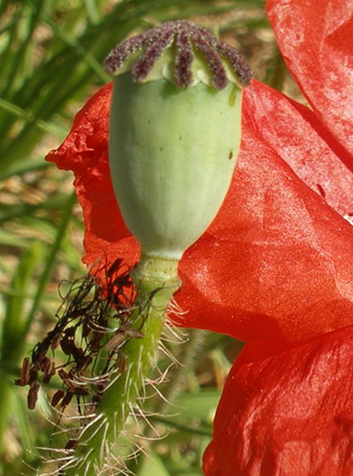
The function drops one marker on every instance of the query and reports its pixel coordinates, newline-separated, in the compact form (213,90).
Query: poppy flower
(274,267)
(277,255)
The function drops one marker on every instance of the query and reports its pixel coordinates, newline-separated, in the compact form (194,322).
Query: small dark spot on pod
(58,395)
(321,190)
(230,156)
(32,396)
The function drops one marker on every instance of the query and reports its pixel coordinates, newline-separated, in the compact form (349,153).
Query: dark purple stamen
(214,62)
(183,60)
(144,65)
(184,35)
(236,61)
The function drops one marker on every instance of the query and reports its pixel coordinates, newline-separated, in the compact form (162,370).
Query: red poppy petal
(287,414)
(87,143)
(296,134)
(315,38)
(85,152)
(276,261)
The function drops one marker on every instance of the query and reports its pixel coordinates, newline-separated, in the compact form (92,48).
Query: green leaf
(152,465)
(26,434)
(14,321)
(22,166)
(186,430)
(57,202)
(199,405)
(49,264)
(48,127)
(14,331)
(8,239)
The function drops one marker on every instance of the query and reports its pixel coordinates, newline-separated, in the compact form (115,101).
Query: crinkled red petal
(85,152)
(275,262)
(315,38)
(297,135)
(287,412)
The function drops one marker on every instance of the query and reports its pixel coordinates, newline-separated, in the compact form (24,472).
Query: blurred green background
(51,54)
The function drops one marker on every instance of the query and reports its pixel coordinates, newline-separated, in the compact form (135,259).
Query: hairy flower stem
(156,281)
(187,360)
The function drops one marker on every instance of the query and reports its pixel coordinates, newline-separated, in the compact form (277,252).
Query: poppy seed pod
(174,132)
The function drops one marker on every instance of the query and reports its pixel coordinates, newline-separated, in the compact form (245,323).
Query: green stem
(154,294)
(187,360)
(5,406)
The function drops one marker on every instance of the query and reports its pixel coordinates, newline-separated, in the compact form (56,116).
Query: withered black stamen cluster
(94,322)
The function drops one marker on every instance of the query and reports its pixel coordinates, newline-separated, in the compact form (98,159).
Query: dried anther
(33,395)
(25,370)
(84,333)
(186,38)
(57,397)
(67,399)
(115,341)
(121,336)
(49,371)
(71,444)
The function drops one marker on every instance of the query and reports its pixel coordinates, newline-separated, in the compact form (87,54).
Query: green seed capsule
(172,155)
(174,140)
